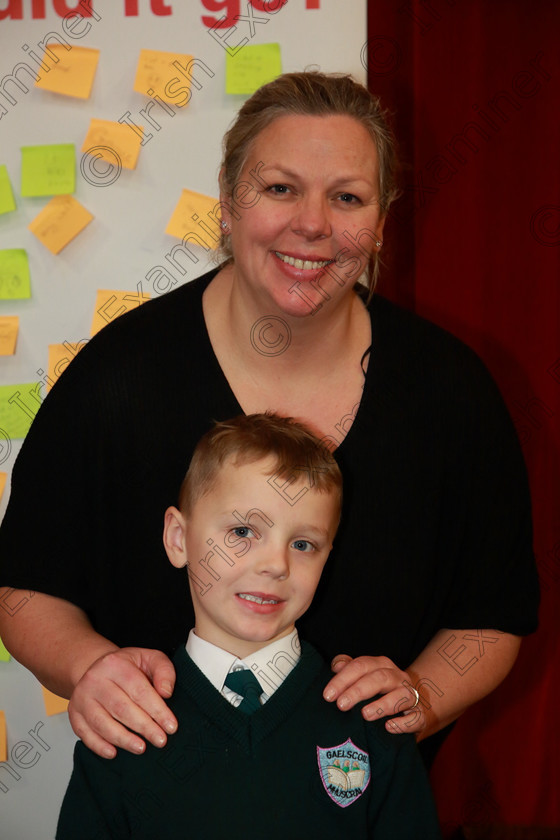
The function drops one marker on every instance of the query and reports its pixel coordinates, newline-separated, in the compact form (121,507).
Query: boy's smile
(266,558)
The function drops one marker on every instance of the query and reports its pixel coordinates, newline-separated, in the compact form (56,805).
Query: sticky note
(157,75)
(3,479)
(194,214)
(4,655)
(62,219)
(54,704)
(72,72)
(48,170)
(110,304)
(7,203)
(114,143)
(251,67)
(3,738)
(60,356)
(9,325)
(15,280)
(18,406)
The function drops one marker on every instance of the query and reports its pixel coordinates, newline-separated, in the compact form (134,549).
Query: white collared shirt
(270,665)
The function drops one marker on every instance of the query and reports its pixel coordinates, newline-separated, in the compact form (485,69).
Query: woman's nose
(312,218)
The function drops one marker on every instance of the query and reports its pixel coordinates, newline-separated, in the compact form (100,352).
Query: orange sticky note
(54,704)
(59,222)
(194,216)
(3,738)
(60,356)
(110,304)
(156,74)
(9,325)
(114,143)
(71,70)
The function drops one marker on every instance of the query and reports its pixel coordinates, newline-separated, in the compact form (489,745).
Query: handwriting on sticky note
(156,74)
(15,280)
(7,203)
(73,70)
(116,144)
(9,325)
(251,67)
(18,406)
(110,304)
(196,219)
(3,738)
(62,219)
(48,170)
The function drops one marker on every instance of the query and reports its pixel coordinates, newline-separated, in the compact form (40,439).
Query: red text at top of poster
(227,12)
(37,9)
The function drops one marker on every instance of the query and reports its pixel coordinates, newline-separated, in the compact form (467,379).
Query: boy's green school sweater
(297,768)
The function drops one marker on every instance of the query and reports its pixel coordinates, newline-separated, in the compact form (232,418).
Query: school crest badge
(345,772)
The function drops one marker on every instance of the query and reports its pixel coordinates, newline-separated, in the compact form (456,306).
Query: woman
(432,571)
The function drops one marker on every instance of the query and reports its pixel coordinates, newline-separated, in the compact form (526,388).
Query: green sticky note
(4,655)
(15,280)
(18,406)
(48,170)
(7,203)
(252,66)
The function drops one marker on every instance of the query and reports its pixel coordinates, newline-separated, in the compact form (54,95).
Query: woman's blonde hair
(309,94)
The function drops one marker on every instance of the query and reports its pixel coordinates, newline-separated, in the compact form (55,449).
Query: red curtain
(474,245)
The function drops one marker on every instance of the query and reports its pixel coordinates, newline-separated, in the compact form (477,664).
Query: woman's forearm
(457,668)
(51,637)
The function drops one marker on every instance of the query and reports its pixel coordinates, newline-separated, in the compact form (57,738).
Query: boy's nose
(273,560)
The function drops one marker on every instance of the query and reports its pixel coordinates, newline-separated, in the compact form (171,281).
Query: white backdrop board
(126,240)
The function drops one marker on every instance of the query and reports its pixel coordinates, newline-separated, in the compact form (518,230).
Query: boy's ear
(174,529)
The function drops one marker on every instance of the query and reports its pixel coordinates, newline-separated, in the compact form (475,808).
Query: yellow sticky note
(54,704)
(59,222)
(18,406)
(7,203)
(157,75)
(72,72)
(48,170)
(9,325)
(3,479)
(15,280)
(251,67)
(110,304)
(3,738)
(4,655)
(114,143)
(195,218)
(60,356)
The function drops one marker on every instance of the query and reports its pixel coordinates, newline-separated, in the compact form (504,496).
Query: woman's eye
(348,198)
(279,189)
(243,531)
(303,545)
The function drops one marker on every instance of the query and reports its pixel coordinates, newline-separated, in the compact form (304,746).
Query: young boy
(265,757)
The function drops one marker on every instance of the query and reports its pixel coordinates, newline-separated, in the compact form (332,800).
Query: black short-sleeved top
(436,525)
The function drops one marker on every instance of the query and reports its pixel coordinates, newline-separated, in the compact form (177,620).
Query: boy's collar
(271,664)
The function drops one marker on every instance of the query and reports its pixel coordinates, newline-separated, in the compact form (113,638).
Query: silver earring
(224,226)
(378,243)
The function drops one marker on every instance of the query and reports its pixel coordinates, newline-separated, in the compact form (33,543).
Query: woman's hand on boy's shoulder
(366,677)
(119,698)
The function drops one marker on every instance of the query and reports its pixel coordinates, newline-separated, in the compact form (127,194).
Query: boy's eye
(303,545)
(243,531)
